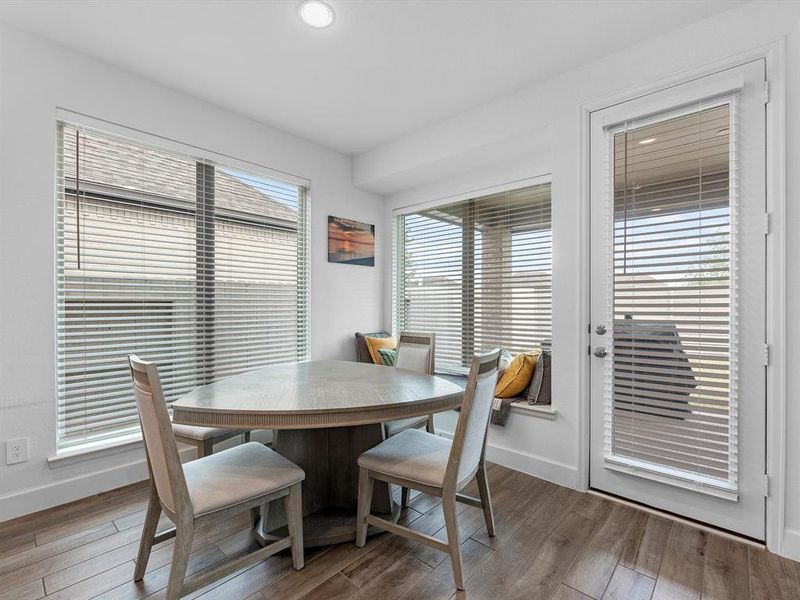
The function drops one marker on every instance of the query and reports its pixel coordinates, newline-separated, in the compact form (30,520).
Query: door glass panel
(673,401)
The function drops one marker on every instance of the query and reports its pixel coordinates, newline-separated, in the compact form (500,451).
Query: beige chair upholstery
(202,433)
(244,478)
(238,475)
(414,357)
(412,454)
(204,438)
(394,427)
(415,352)
(419,460)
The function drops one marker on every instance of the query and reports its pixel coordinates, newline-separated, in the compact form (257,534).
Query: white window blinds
(477,273)
(198,267)
(673,391)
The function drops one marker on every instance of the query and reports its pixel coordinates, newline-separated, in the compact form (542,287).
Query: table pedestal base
(330,491)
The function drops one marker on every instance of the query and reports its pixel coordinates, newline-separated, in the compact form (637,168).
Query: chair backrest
(415,351)
(469,439)
(162,452)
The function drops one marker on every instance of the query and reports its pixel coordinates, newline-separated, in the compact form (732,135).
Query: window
(197,266)
(477,273)
(673,394)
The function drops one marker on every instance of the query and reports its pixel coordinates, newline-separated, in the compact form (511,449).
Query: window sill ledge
(540,411)
(95,450)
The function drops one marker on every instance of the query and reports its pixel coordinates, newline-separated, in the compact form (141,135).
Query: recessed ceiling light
(647,141)
(315,13)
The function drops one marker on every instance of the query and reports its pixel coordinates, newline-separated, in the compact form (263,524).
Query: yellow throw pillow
(517,377)
(377,343)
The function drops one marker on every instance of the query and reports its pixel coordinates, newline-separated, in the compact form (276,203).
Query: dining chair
(204,438)
(415,352)
(434,465)
(213,488)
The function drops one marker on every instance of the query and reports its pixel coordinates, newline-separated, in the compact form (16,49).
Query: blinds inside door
(477,273)
(198,267)
(674,361)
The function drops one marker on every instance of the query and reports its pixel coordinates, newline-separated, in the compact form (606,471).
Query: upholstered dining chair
(434,465)
(415,351)
(242,478)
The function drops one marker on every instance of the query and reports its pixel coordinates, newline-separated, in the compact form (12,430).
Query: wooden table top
(314,394)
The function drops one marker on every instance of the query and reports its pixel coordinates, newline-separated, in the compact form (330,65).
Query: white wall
(37,77)
(542,127)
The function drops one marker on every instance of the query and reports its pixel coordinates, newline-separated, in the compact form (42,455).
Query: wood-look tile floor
(551,543)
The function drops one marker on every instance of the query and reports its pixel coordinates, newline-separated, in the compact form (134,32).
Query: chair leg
(294,521)
(486,498)
(451,526)
(404,494)
(184,533)
(246,436)
(255,515)
(148,534)
(429,425)
(365,487)
(205,448)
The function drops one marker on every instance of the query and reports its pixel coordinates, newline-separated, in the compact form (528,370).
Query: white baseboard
(34,499)
(791,544)
(31,500)
(56,493)
(539,466)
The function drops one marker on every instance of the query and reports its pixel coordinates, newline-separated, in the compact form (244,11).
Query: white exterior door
(678,312)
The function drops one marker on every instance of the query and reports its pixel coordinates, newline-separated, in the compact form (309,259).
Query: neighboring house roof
(134,170)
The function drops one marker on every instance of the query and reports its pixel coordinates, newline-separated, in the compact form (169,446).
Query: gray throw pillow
(539,392)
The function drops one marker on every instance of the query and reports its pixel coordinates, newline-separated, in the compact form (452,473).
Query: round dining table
(324,414)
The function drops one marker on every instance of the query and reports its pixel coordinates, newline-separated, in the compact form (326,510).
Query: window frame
(205,161)
(459,197)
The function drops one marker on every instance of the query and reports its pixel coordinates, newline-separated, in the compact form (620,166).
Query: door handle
(600,352)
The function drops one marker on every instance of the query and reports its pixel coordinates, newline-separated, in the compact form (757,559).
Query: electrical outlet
(16,451)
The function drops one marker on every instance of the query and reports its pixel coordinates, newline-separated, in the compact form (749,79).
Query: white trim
(109,446)
(777,539)
(531,464)
(27,501)
(535,410)
(677,103)
(81,119)
(791,543)
(774,54)
(508,186)
(695,483)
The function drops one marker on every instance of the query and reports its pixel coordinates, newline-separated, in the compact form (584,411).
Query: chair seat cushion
(395,427)
(203,433)
(236,475)
(412,454)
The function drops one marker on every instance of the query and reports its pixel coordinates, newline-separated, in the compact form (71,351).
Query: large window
(477,273)
(198,267)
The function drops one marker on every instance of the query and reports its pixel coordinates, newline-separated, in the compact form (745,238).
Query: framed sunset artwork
(351,242)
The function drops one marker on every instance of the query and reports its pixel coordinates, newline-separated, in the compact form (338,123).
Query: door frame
(776,400)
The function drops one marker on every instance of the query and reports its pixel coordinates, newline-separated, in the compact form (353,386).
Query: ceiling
(384,69)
